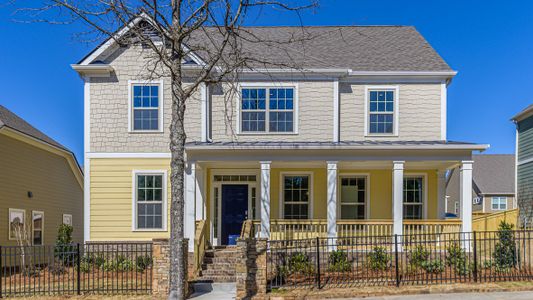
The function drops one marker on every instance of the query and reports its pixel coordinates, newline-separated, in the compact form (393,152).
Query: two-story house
(524,164)
(354,142)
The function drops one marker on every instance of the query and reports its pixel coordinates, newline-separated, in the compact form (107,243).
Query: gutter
(480,147)
(98,70)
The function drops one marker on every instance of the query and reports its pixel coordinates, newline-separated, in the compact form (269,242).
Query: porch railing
(281,229)
(200,245)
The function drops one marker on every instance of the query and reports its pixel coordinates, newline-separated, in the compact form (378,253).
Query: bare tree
(211,33)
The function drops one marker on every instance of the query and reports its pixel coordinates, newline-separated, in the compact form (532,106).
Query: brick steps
(219,264)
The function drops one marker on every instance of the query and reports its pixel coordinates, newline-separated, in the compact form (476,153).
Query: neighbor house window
(456,208)
(413,196)
(146,107)
(149,201)
(296,196)
(37,227)
(67,219)
(17,222)
(267,110)
(352,197)
(381,111)
(499,203)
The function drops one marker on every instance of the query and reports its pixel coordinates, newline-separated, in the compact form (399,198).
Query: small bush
(338,261)
(378,259)
(125,265)
(433,266)
(504,255)
(456,258)
(109,266)
(142,263)
(85,267)
(64,250)
(299,263)
(418,256)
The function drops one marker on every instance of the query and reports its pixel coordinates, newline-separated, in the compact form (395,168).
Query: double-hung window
(267,110)
(381,110)
(37,227)
(499,203)
(146,107)
(296,196)
(413,197)
(352,197)
(149,201)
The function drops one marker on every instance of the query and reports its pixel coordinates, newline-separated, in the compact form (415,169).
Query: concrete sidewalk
(526,295)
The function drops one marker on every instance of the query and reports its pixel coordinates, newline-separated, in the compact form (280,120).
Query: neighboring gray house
(524,170)
(493,184)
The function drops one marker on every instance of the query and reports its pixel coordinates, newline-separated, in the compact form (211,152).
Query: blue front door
(234,208)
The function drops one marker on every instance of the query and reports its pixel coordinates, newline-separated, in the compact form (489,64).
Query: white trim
(282,194)
(402,73)
(499,198)
(515,198)
(128,155)
(480,147)
(336,111)
(9,221)
(99,70)
(33,212)
(524,161)
(424,190)
(216,237)
(443,110)
(295,109)
(367,191)
(164,211)
(204,112)
(71,219)
(396,110)
(86,159)
(160,103)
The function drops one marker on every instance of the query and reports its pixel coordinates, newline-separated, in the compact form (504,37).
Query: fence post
(475,257)
(318,262)
(78,268)
(1,271)
(397,261)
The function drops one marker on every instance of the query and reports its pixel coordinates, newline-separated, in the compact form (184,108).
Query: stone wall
(251,272)
(161,266)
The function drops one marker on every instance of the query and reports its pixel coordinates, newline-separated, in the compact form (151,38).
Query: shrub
(64,251)
(85,267)
(142,262)
(504,254)
(378,259)
(433,266)
(418,256)
(299,262)
(338,261)
(109,266)
(456,258)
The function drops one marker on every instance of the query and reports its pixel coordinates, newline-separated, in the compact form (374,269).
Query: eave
(97,70)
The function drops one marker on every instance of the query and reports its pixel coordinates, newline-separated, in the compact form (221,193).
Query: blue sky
(488,42)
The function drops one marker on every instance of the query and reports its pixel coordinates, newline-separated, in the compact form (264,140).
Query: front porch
(302,194)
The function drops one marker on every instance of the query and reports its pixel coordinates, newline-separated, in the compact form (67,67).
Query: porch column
(465,195)
(265,199)
(200,205)
(441,193)
(190,195)
(397,197)
(332,199)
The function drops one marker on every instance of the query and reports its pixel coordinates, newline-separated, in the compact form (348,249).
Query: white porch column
(265,199)
(441,193)
(200,204)
(397,197)
(332,199)
(190,195)
(465,195)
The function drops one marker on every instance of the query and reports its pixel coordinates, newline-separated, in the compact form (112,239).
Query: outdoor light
(30,194)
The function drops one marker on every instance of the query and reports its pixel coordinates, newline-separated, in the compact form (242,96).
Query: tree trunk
(177,148)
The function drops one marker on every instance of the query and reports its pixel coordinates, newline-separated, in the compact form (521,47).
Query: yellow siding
(55,188)
(111,197)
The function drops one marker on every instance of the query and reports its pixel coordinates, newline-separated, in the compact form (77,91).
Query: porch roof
(344,145)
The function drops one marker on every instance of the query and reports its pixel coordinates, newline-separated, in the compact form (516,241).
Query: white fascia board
(403,73)
(100,70)
(128,155)
(476,147)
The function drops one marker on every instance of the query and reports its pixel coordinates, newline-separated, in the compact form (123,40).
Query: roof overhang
(527,112)
(96,70)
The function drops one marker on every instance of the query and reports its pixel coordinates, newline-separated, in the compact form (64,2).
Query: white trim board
(160,102)
(129,155)
(164,210)
(86,160)
(368,200)
(281,201)
(396,110)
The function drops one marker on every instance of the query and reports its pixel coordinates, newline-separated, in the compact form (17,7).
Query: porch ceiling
(353,165)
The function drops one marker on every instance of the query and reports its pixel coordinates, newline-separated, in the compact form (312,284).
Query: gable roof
(528,111)
(11,120)
(353,48)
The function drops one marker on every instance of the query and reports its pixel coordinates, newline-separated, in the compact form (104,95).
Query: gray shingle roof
(11,120)
(360,48)
(494,173)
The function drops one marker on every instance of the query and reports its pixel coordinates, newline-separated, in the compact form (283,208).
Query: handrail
(247,229)
(200,245)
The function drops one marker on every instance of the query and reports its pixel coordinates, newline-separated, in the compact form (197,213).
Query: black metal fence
(102,268)
(401,260)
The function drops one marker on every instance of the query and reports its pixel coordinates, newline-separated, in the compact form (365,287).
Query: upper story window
(499,203)
(268,110)
(146,107)
(381,118)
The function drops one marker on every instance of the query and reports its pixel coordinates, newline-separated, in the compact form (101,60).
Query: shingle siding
(525,139)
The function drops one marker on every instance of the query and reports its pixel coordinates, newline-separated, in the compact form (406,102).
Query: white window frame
(367,192)
(424,191)
(33,213)
(164,211)
(282,192)
(71,219)
(131,84)
(395,112)
(23,211)
(499,198)
(266,85)
(456,207)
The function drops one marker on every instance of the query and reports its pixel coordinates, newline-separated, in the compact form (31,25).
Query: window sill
(267,133)
(149,230)
(145,131)
(381,135)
